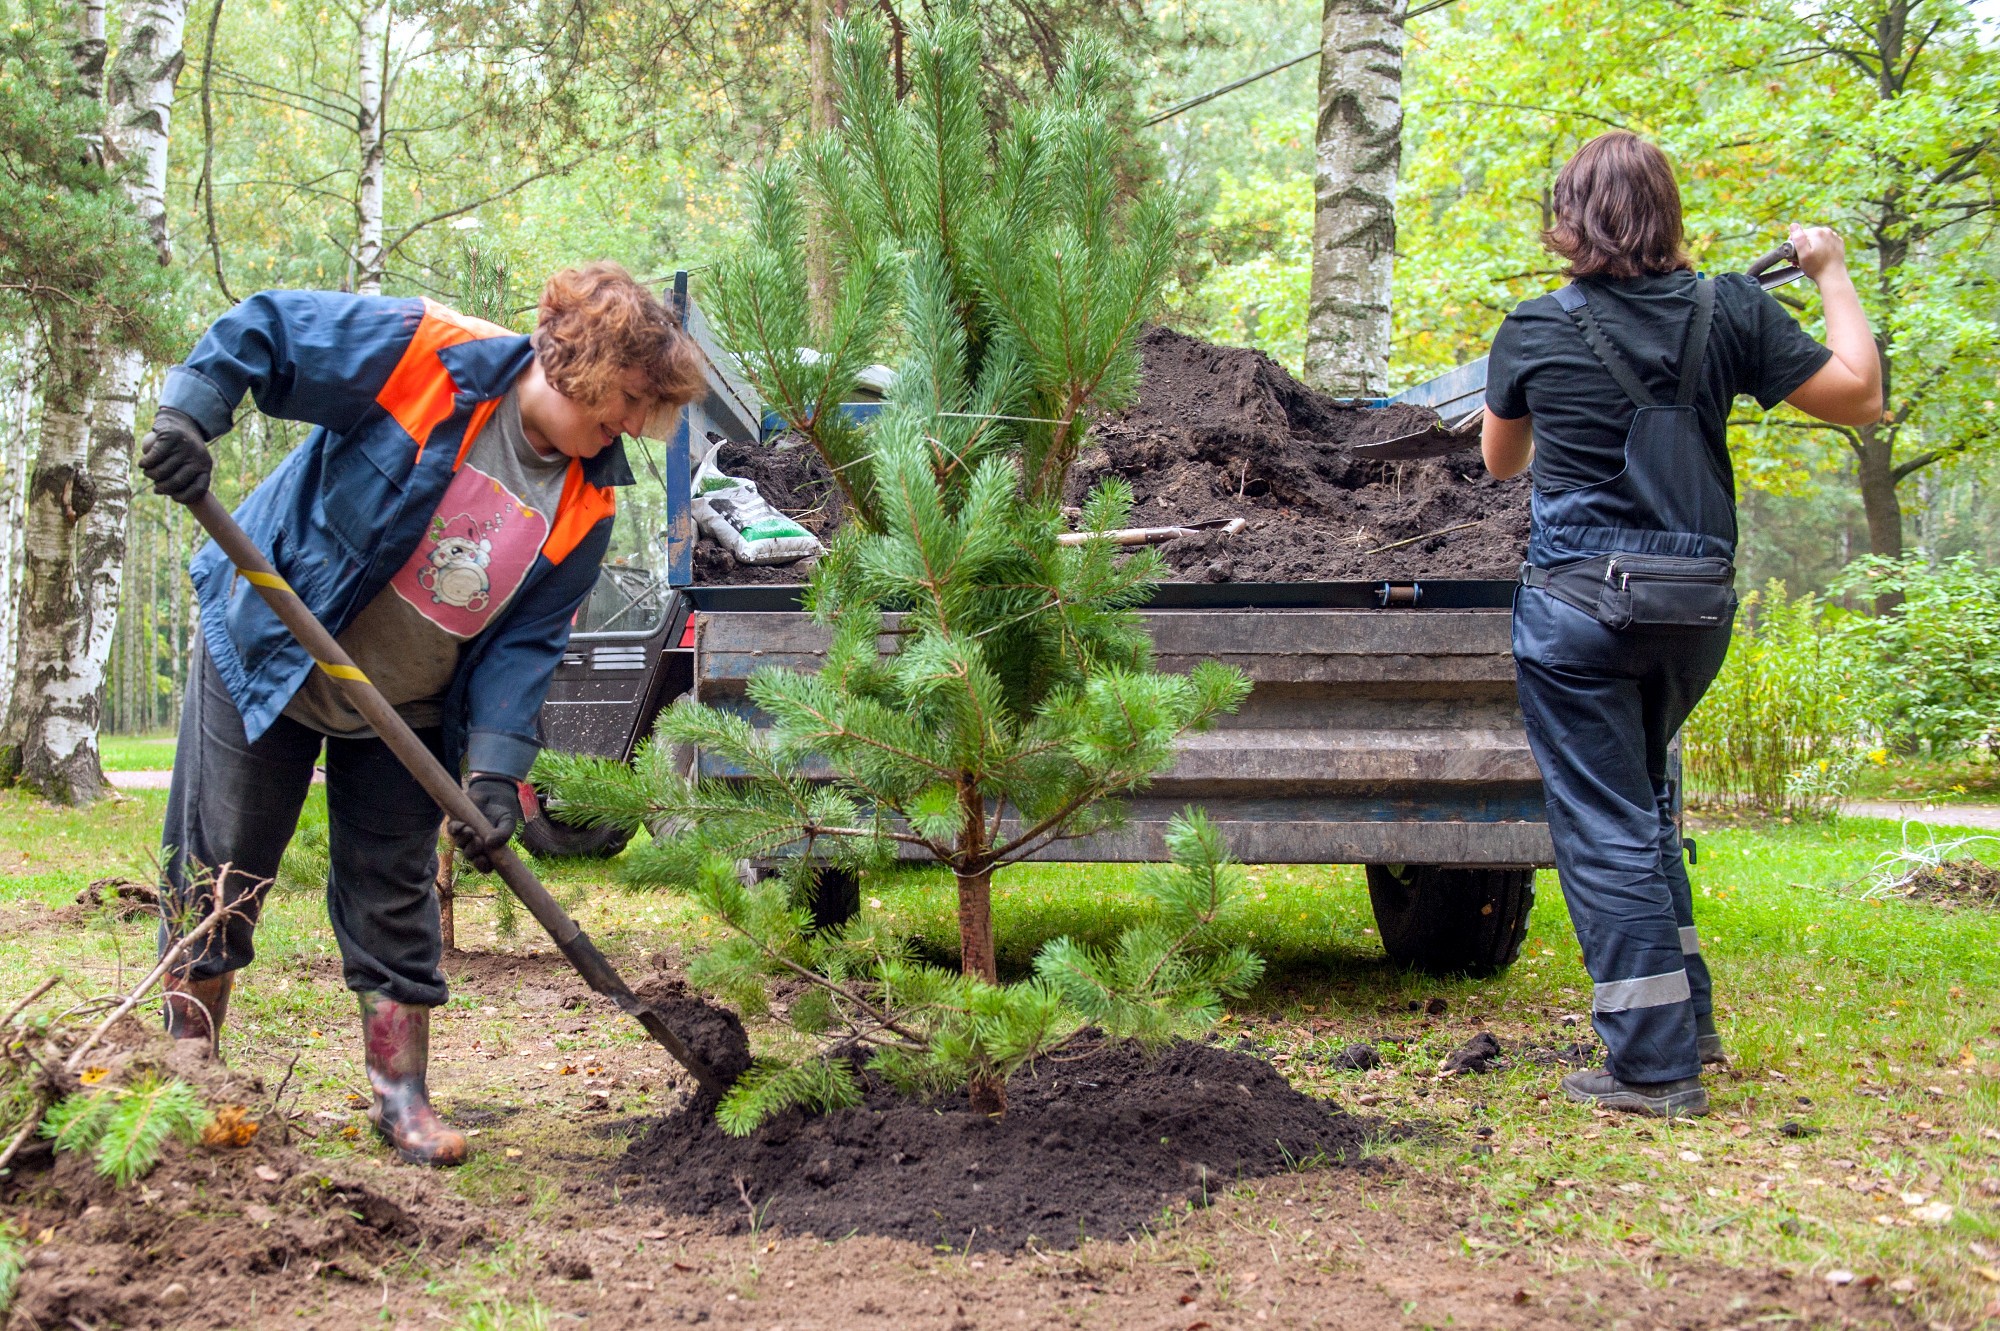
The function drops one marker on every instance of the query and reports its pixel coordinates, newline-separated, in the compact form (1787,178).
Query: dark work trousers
(235,804)
(1601,706)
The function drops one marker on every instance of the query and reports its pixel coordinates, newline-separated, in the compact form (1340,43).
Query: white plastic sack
(731,511)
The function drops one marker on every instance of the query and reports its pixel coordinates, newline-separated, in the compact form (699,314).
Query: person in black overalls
(1623,616)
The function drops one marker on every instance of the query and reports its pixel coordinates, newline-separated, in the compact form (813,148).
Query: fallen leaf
(1840,1277)
(1935,1213)
(1692,1157)
(512,1153)
(1987,1273)
(268,1174)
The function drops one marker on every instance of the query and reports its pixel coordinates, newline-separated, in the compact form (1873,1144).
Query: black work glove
(174,455)
(499,798)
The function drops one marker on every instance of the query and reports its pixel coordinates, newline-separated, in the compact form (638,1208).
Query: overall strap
(1572,299)
(1696,345)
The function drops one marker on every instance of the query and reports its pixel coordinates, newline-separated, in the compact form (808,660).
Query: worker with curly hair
(445,519)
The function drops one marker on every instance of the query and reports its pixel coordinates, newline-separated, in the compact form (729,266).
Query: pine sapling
(987,692)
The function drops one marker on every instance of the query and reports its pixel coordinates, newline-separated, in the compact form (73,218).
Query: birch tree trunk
(1358,152)
(373,62)
(50,738)
(19,426)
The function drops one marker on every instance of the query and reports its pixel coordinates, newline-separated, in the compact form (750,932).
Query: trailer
(1381,729)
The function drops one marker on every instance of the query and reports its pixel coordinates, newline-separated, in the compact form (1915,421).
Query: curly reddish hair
(597,322)
(1617,210)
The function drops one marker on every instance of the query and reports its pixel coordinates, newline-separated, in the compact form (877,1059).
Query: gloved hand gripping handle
(573,942)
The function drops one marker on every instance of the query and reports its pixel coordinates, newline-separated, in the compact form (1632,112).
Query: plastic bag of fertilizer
(731,511)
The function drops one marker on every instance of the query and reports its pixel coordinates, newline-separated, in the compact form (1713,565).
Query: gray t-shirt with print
(482,540)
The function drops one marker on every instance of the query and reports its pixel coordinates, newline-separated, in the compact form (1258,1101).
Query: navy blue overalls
(1602,705)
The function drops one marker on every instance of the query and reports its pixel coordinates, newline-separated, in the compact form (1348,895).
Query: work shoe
(194,1009)
(397,1040)
(1661,1099)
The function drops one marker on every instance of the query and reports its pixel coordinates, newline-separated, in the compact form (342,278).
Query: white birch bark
(373,69)
(1358,154)
(19,426)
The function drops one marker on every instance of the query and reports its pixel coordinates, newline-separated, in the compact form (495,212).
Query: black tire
(1451,921)
(547,837)
(836,897)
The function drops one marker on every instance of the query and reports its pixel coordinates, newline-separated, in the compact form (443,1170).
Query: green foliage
(126,1127)
(1012,268)
(73,253)
(1789,721)
(1168,976)
(13,1260)
(1936,667)
(769,1089)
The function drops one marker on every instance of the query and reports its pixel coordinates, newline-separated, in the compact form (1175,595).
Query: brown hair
(1617,210)
(598,322)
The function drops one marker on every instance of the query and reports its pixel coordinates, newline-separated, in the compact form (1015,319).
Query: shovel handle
(366,699)
(1769,276)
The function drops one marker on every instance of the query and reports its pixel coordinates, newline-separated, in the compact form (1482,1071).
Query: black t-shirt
(1540,366)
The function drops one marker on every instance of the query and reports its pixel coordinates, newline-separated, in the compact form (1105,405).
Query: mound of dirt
(1225,432)
(1959,882)
(1097,1142)
(234,1222)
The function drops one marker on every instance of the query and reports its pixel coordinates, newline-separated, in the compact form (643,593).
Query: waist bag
(1643,591)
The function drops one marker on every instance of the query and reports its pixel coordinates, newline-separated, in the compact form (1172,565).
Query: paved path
(1944,815)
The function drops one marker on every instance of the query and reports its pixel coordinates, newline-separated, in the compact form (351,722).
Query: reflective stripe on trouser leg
(1690,942)
(1645,991)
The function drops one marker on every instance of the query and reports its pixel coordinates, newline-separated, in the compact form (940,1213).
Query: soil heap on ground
(1099,1141)
(1223,432)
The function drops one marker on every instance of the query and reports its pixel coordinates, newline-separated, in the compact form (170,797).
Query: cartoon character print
(455,573)
(479,546)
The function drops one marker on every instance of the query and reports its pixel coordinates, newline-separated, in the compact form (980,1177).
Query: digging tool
(569,938)
(1770,276)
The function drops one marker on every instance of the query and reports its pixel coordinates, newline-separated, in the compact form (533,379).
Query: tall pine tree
(1006,273)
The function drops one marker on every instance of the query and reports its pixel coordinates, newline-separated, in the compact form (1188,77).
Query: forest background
(464,150)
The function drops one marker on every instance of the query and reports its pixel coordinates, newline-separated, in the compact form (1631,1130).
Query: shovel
(573,942)
(1770,275)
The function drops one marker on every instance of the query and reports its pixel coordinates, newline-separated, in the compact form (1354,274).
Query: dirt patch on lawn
(1952,883)
(1099,1142)
(1225,432)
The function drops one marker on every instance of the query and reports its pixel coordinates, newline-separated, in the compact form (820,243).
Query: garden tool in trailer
(574,944)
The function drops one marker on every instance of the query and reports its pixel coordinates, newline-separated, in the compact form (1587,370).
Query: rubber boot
(397,1040)
(1708,1040)
(195,1009)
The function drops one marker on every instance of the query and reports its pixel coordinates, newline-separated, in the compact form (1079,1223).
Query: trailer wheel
(548,837)
(1451,921)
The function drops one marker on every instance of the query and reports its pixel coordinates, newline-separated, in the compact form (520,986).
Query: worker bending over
(1626,376)
(445,519)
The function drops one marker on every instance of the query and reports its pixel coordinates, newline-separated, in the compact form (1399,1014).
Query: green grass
(1873,1026)
(136,753)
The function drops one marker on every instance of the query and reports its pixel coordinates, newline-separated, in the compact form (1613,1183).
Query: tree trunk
(447,888)
(822,113)
(50,738)
(373,59)
(975,926)
(19,426)
(1358,151)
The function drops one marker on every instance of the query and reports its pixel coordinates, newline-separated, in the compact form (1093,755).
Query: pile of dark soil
(1223,432)
(713,1034)
(1959,882)
(216,1229)
(1098,1142)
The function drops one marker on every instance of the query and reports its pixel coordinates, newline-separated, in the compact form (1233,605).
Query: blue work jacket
(399,389)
